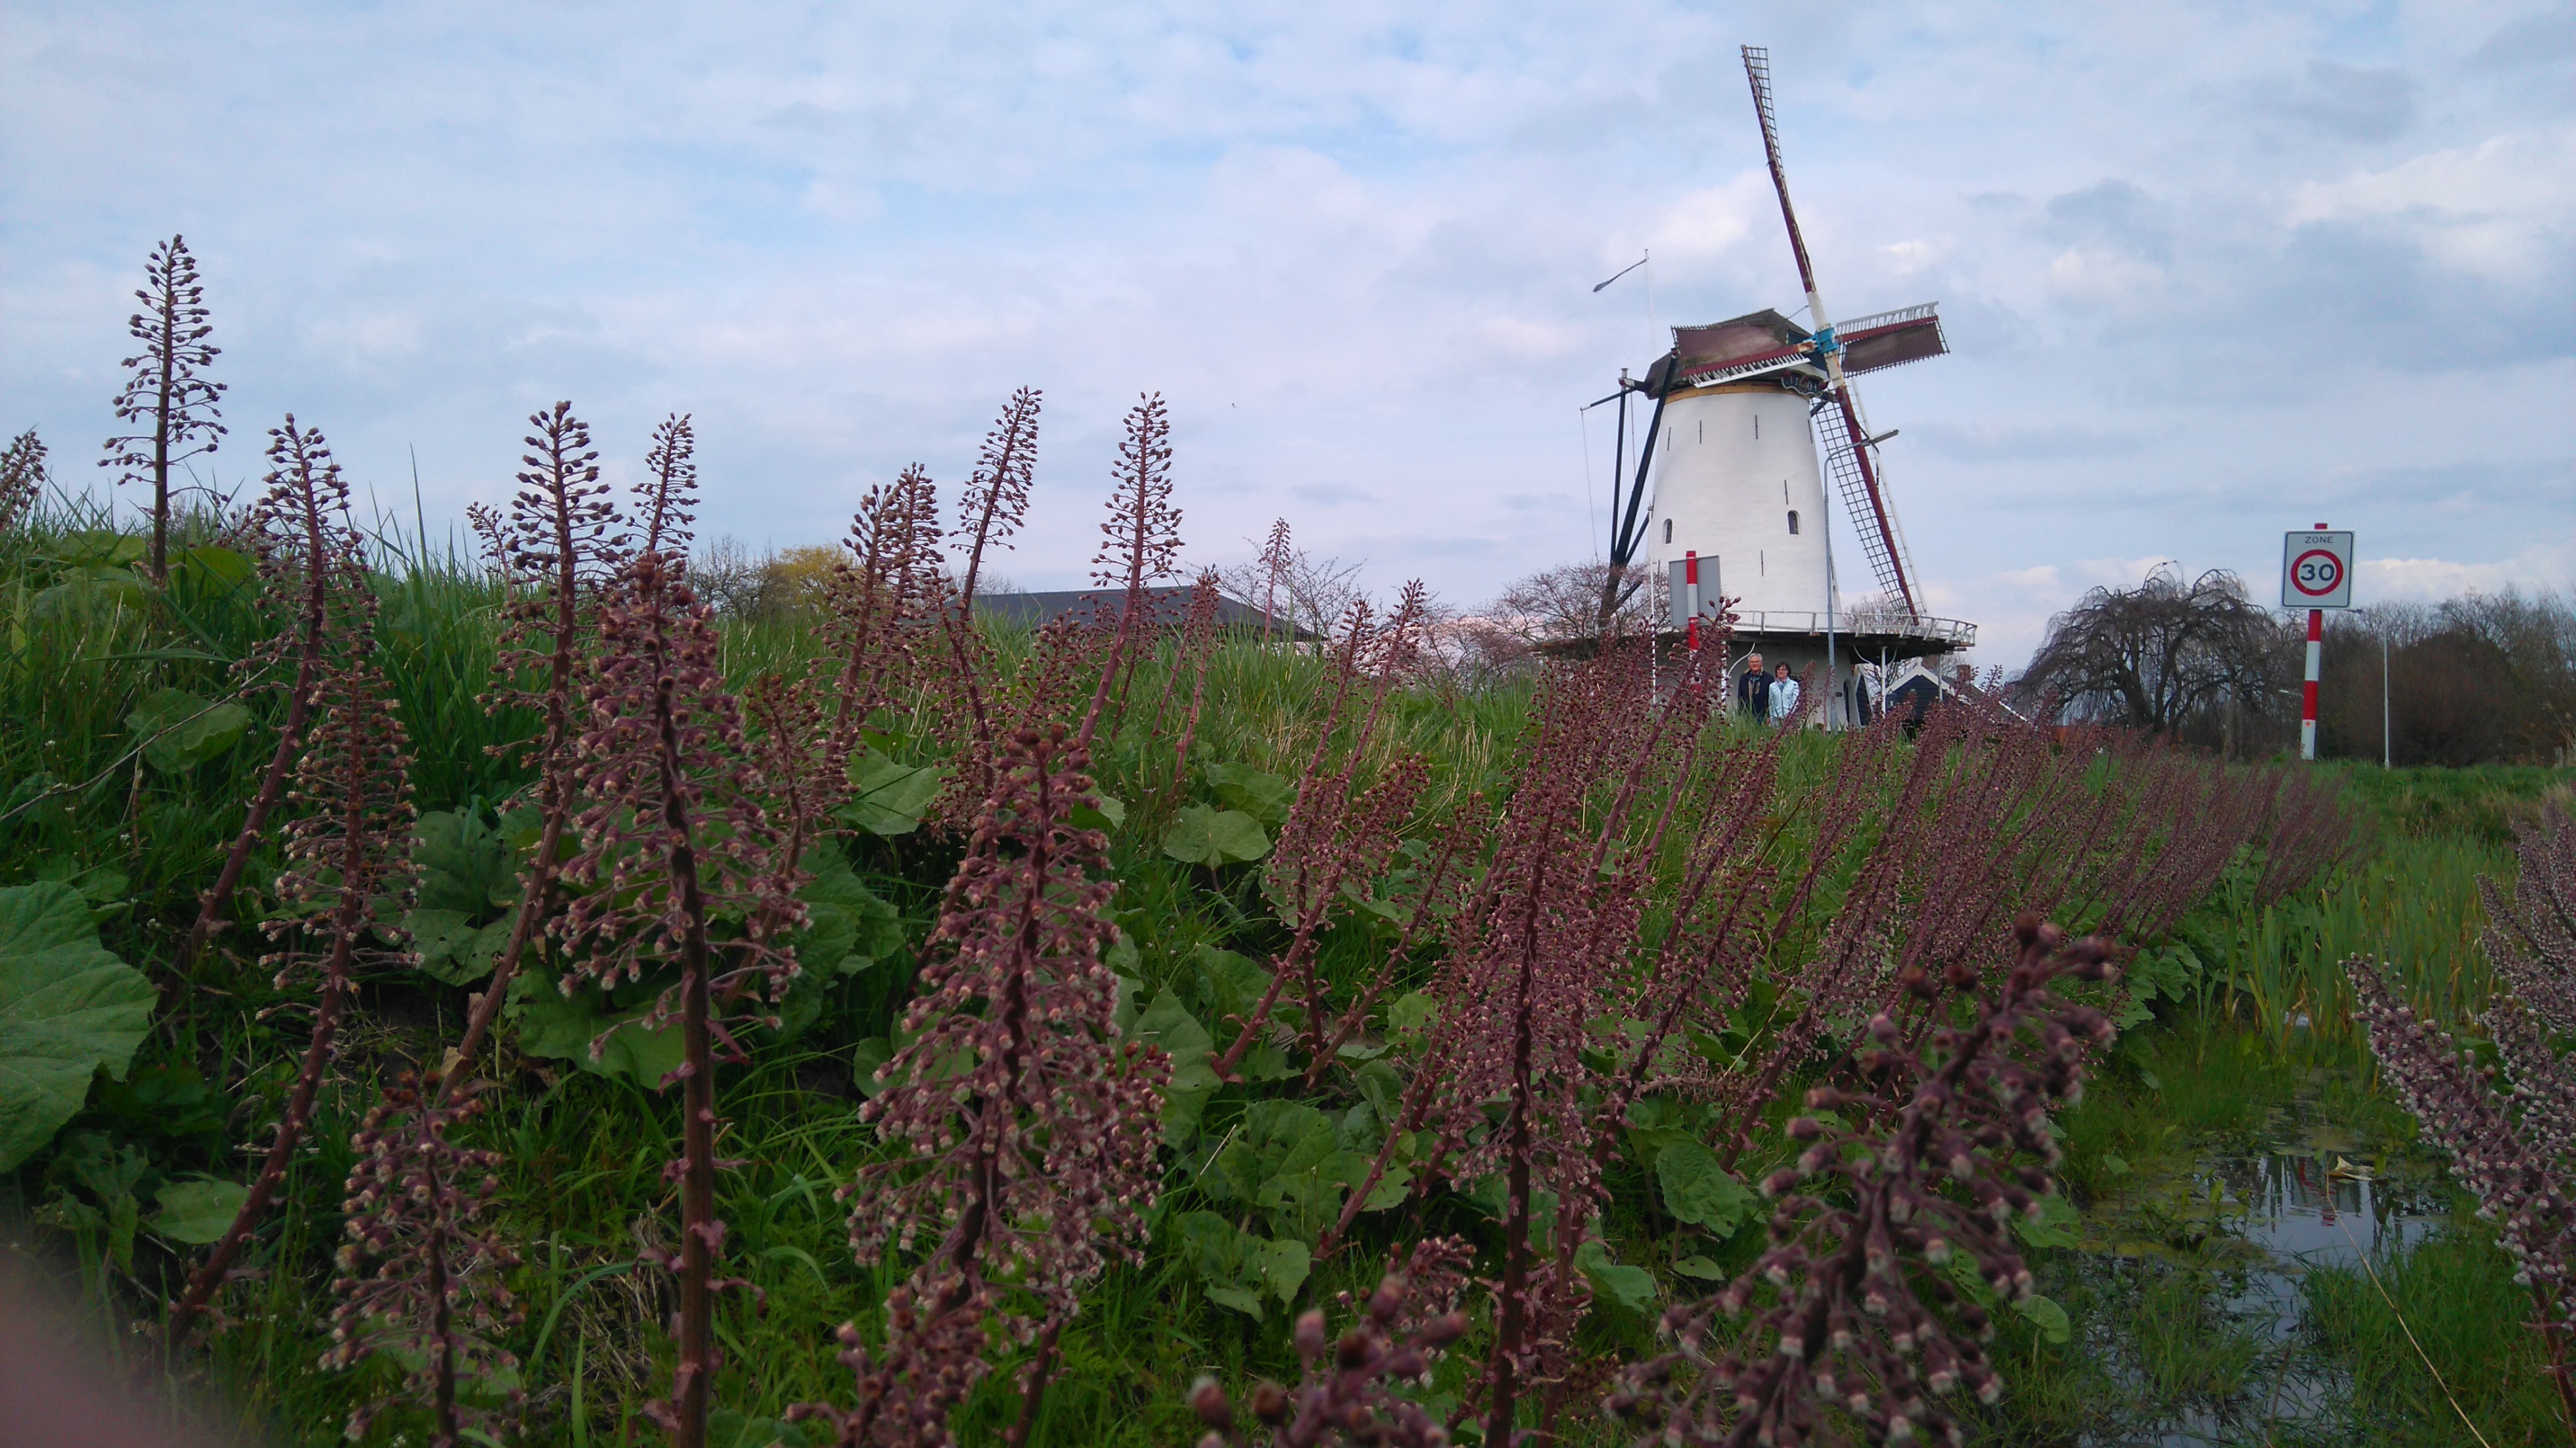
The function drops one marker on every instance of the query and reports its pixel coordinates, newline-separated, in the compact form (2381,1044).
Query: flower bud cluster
(1024,1129)
(420,1276)
(1866,1318)
(2514,1148)
(1352,1391)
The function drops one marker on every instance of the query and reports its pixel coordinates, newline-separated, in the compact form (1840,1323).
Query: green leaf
(1631,1287)
(866,1058)
(1165,1023)
(2055,1227)
(110,1170)
(98,884)
(1699,1191)
(1241,1299)
(1265,797)
(454,950)
(1701,1268)
(1411,1011)
(1284,1264)
(465,865)
(1212,837)
(1238,1268)
(90,592)
(197,1212)
(2048,1316)
(67,1008)
(180,731)
(1287,1159)
(1231,985)
(100,548)
(1106,814)
(887,798)
(554,1026)
(727,1428)
(851,929)
(213,565)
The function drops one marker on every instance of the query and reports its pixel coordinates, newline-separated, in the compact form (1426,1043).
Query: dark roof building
(1166,606)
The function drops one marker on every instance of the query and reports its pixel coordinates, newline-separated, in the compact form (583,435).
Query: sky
(2209,271)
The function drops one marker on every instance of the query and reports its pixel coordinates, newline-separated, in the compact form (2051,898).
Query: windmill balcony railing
(1951,632)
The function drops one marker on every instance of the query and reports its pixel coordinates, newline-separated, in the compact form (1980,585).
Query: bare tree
(1306,591)
(164,389)
(2476,679)
(1563,605)
(2168,657)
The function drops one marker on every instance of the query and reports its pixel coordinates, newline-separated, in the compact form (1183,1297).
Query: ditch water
(2188,1288)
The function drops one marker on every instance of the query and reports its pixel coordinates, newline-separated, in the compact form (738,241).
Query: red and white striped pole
(2316,657)
(1690,599)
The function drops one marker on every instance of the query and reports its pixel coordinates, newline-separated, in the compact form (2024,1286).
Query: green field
(1850,856)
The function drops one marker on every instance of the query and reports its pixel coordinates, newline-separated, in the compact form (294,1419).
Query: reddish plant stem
(536,900)
(2554,1341)
(290,1129)
(441,1314)
(1040,1372)
(1396,958)
(699,1230)
(290,740)
(1501,1402)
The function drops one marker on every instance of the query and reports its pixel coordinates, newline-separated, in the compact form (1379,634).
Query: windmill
(1750,417)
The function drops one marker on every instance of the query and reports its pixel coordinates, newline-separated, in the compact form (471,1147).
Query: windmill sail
(1863,491)
(1890,339)
(1894,338)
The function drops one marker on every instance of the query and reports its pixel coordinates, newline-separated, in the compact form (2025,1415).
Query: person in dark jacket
(1753,691)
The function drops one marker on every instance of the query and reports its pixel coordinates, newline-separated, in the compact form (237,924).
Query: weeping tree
(2197,660)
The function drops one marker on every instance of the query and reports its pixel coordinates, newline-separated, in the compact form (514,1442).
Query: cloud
(2203,268)
(2353,102)
(2539,567)
(2504,208)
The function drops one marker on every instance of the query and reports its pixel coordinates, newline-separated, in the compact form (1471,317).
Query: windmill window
(1668,530)
(1793,522)
(1757,427)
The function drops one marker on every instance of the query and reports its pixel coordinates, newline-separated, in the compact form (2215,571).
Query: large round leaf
(1212,837)
(180,731)
(67,1007)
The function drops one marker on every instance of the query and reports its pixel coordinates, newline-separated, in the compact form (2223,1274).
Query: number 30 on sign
(2316,570)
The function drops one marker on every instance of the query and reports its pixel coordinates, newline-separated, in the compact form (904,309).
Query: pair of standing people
(1771,697)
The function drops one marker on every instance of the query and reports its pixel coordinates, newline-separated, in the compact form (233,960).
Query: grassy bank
(1851,849)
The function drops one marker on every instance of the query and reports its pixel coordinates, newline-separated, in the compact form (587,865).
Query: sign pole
(2308,709)
(1690,595)
(2316,574)
(2316,659)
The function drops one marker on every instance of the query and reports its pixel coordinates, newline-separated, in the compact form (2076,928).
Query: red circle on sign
(2333,572)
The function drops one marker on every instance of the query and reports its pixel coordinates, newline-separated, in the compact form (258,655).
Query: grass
(583,1150)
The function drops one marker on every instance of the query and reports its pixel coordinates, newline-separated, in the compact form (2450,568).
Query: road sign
(2316,570)
(1683,592)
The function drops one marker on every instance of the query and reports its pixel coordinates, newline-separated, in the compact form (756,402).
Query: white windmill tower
(1749,417)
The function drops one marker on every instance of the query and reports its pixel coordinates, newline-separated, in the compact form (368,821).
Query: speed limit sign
(2316,570)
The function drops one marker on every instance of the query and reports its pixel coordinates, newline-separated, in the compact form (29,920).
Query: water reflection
(2195,1265)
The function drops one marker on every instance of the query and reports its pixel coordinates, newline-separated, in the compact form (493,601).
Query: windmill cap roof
(1751,335)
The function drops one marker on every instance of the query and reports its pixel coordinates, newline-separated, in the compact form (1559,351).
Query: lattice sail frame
(1891,564)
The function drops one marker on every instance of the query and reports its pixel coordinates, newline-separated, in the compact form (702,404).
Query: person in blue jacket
(1784,694)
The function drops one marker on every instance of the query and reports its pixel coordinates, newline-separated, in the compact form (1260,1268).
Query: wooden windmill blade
(1893,338)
